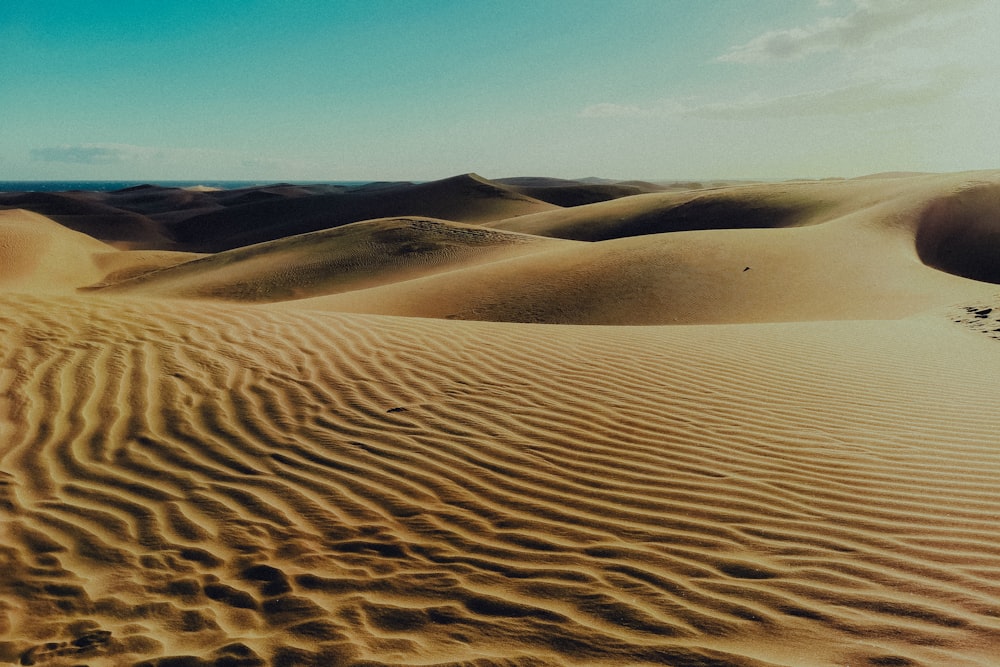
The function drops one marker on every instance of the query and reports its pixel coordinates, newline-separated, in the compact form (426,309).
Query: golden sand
(252,457)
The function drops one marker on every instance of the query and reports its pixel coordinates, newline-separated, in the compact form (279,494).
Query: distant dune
(573,193)
(322,425)
(468,198)
(152,217)
(77,211)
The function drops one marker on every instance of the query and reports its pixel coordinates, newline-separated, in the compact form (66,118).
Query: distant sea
(108,186)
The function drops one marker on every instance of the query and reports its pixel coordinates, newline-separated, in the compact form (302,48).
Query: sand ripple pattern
(188,485)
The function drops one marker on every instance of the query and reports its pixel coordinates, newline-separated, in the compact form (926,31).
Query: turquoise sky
(344,90)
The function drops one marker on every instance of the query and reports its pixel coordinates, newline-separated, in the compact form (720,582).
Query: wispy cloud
(868,22)
(860,98)
(612,110)
(79,154)
(110,154)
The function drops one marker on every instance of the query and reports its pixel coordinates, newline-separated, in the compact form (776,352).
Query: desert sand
(515,422)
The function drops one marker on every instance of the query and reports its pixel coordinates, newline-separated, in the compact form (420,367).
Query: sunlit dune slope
(864,250)
(231,484)
(354,256)
(688,278)
(40,255)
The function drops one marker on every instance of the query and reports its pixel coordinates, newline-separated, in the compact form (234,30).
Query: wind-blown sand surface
(252,457)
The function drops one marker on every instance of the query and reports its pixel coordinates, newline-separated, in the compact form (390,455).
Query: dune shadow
(960,234)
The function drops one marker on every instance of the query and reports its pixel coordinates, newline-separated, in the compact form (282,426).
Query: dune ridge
(346,258)
(206,459)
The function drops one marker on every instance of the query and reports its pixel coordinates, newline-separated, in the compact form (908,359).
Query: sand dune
(38,254)
(804,475)
(960,233)
(742,206)
(158,218)
(818,273)
(355,256)
(76,211)
(562,192)
(840,251)
(467,198)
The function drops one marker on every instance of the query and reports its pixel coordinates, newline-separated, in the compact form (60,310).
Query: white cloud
(867,23)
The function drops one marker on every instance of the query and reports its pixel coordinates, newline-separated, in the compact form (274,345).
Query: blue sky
(357,90)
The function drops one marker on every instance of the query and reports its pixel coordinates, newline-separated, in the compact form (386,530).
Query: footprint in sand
(85,644)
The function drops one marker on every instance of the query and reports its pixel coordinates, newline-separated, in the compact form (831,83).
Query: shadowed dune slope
(563,192)
(467,198)
(241,487)
(354,256)
(151,200)
(151,217)
(80,212)
(761,206)
(960,233)
(655,213)
(130,264)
